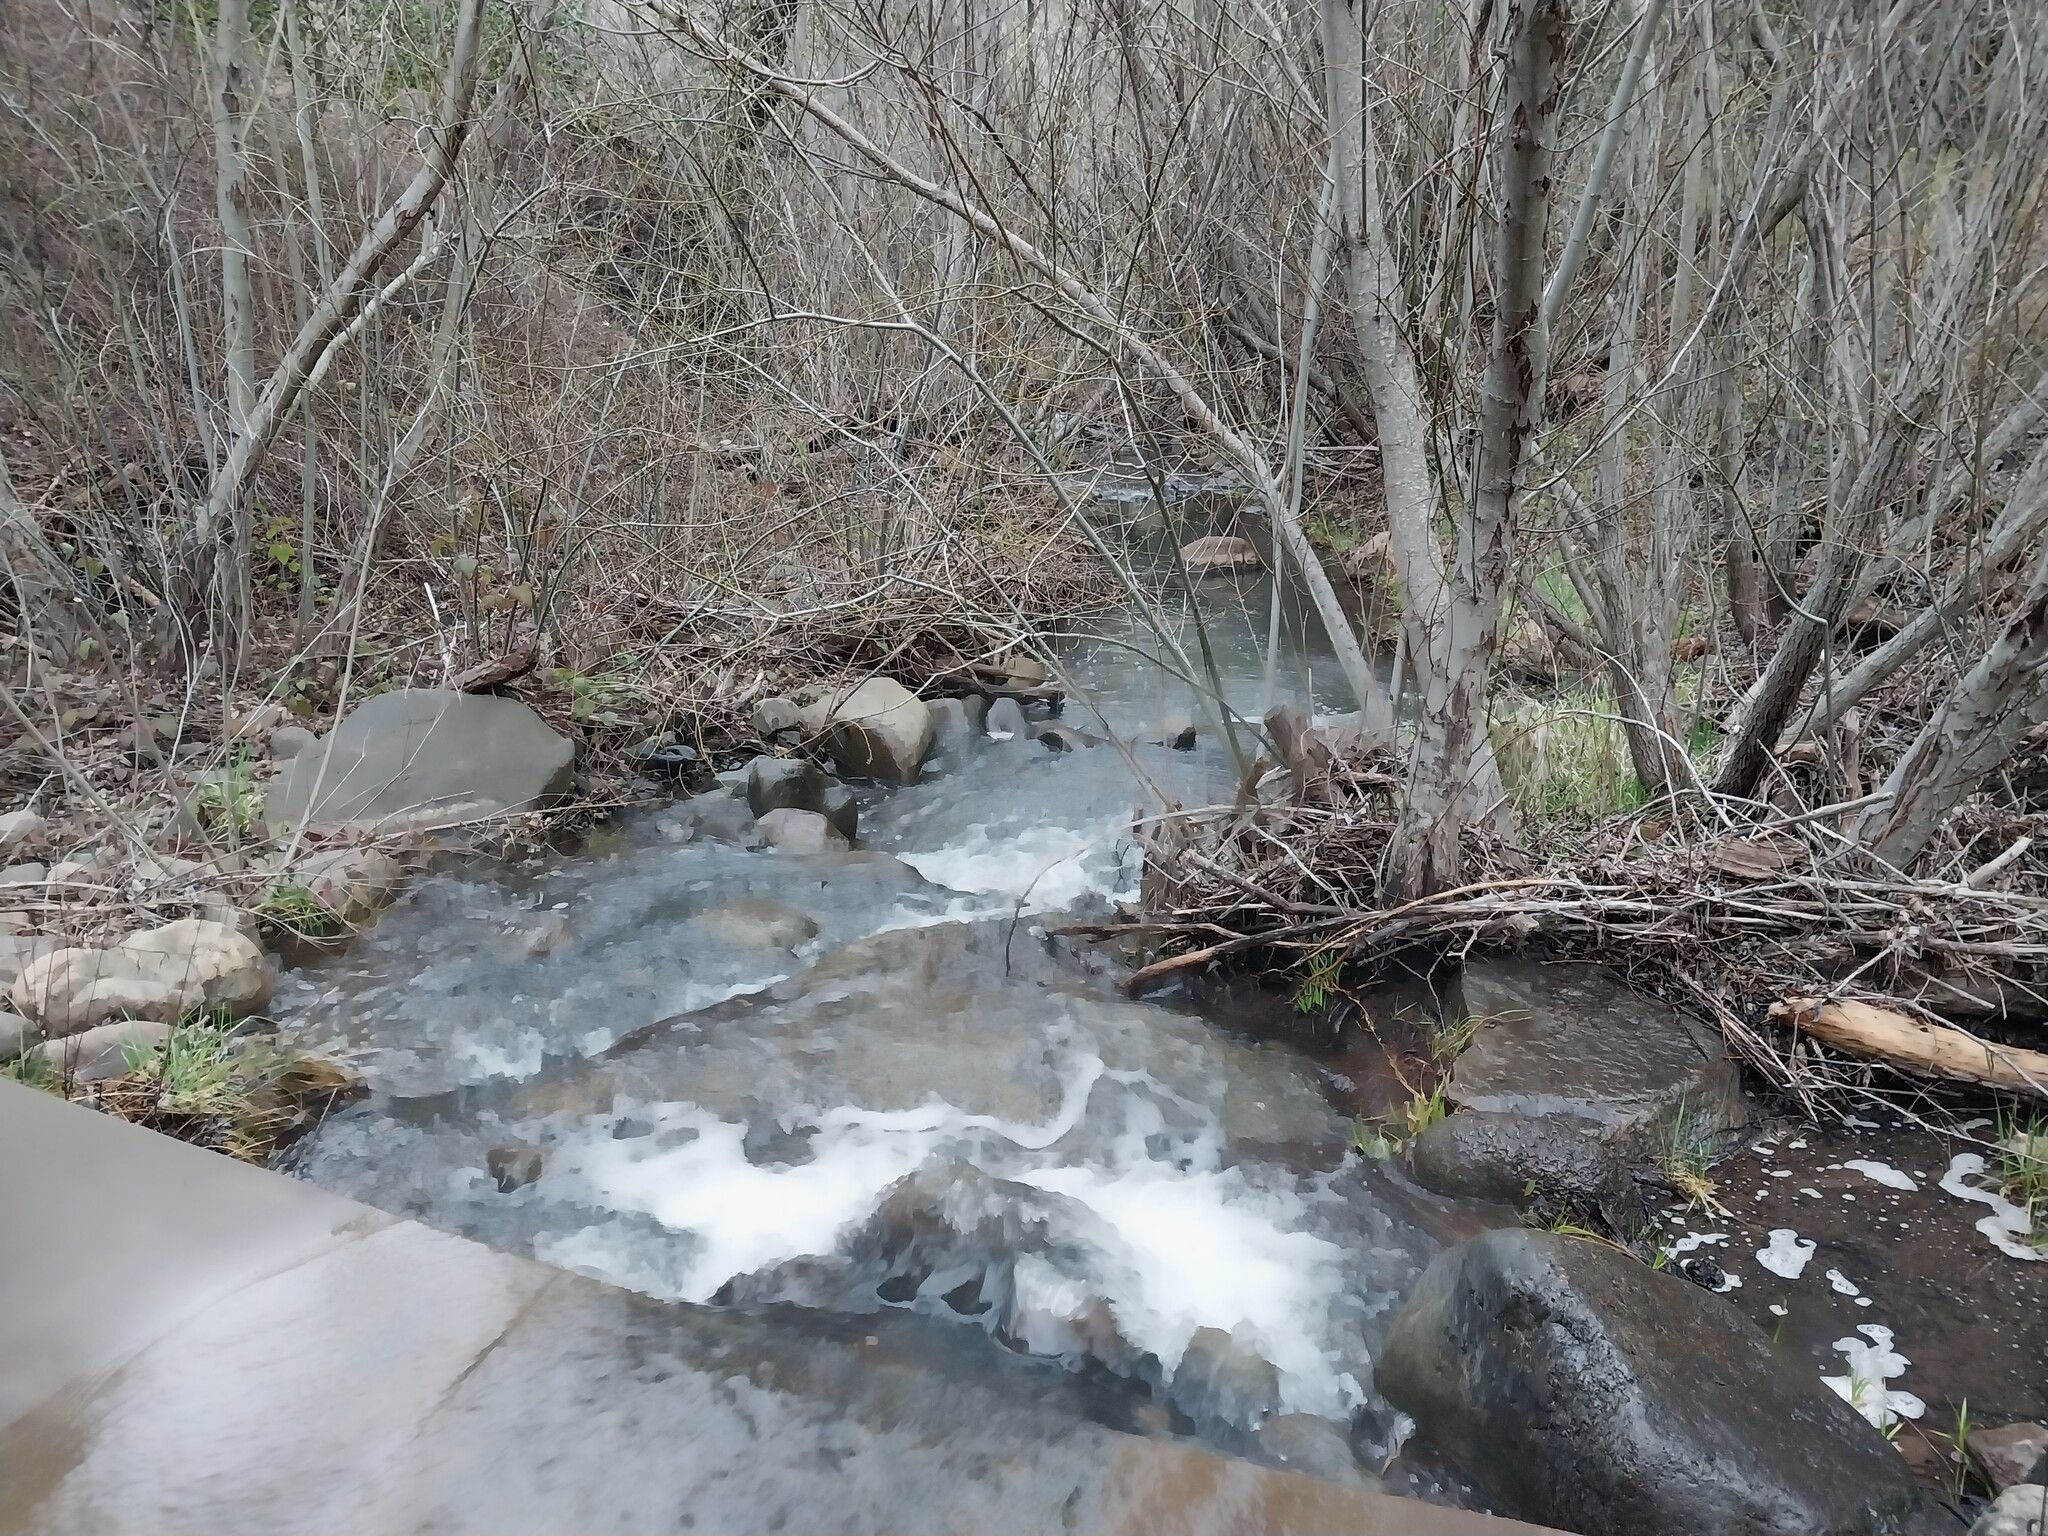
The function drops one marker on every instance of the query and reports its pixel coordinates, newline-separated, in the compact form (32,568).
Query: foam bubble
(1883,1173)
(1871,1366)
(2008,1225)
(1787,1253)
(1045,867)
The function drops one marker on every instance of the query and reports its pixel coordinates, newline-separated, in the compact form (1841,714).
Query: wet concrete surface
(188,1344)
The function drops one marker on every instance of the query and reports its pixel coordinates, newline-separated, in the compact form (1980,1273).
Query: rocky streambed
(808,1044)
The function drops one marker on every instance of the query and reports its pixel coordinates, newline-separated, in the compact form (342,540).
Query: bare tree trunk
(1976,728)
(344,300)
(1452,730)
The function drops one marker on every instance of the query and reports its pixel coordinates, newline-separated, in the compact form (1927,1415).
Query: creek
(871,1081)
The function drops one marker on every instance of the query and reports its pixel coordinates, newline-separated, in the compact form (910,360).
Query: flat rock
(1572,1080)
(1220,552)
(24,874)
(99,1053)
(1579,1388)
(418,758)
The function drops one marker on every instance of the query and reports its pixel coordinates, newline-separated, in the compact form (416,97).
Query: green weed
(1313,993)
(230,803)
(1565,759)
(1686,1156)
(294,910)
(2022,1167)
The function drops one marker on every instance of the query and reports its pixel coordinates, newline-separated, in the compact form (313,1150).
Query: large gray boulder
(879,730)
(161,975)
(1580,1389)
(418,758)
(1572,1082)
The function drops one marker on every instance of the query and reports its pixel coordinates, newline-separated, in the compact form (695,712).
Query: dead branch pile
(1778,928)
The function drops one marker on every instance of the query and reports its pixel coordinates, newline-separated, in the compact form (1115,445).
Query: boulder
(793,831)
(880,730)
(1572,1083)
(20,830)
(2011,1456)
(355,884)
(288,741)
(1006,721)
(1220,552)
(789,783)
(714,816)
(16,1035)
(96,1054)
(774,715)
(419,758)
(161,976)
(2021,1511)
(1581,1389)
(956,722)
(1176,731)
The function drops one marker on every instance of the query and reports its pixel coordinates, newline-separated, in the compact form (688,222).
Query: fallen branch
(1911,1045)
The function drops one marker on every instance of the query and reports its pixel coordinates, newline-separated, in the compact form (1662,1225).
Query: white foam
(1206,1250)
(1044,867)
(1194,1244)
(1883,1173)
(1871,1366)
(477,1058)
(1787,1253)
(1842,1284)
(2008,1224)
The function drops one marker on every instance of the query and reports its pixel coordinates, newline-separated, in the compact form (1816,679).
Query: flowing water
(873,1081)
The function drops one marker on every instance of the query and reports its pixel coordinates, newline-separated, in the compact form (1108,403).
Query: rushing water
(871,1080)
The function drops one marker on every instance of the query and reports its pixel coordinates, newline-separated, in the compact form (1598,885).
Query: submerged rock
(1222,1380)
(1572,1082)
(789,830)
(1220,552)
(1581,1389)
(513,1168)
(761,924)
(419,758)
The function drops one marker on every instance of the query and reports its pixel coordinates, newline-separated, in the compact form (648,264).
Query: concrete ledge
(191,1345)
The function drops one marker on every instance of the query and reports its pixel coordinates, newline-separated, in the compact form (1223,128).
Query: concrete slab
(190,1345)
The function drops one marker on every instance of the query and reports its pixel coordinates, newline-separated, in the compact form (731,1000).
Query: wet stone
(1315,1447)
(2021,1511)
(1580,1388)
(513,1168)
(1006,720)
(2011,1456)
(1571,1083)
(789,830)
(1222,1380)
